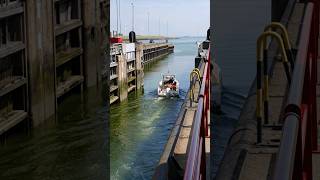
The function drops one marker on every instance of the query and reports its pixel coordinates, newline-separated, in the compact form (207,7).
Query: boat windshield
(168,77)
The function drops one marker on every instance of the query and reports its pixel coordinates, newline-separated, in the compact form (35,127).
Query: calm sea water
(237,24)
(141,126)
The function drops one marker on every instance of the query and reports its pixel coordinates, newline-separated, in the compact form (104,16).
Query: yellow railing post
(195,73)
(285,37)
(263,92)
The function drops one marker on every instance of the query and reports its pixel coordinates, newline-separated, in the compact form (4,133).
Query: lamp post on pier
(132,16)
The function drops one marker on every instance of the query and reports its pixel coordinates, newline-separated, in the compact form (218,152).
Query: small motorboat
(168,86)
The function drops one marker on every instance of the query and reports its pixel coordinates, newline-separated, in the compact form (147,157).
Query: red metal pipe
(303,126)
(299,140)
(194,145)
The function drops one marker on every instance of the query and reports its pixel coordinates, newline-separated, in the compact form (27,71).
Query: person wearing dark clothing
(170,81)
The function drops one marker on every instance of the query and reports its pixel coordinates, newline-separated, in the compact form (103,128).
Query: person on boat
(174,86)
(171,81)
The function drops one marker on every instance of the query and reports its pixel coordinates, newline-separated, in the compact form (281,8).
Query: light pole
(117,16)
(167,29)
(132,16)
(159,27)
(120,15)
(148,23)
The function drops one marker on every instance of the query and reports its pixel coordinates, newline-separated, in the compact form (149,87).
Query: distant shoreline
(151,37)
(156,37)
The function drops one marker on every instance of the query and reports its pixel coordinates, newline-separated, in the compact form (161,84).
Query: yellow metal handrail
(195,73)
(262,59)
(274,26)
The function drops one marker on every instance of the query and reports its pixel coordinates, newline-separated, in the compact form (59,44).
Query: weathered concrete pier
(127,66)
(48,49)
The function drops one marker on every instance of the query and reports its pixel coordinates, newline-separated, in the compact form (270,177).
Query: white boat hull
(168,92)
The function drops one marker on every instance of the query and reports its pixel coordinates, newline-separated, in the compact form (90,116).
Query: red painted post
(302,103)
(312,101)
(313,72)
(306,143)
(314,76)
(208,85)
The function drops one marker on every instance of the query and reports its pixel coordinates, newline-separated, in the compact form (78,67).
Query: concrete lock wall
(59,47)
(40,53)
(92,37)
(122,80)
(144,54)
(139,65)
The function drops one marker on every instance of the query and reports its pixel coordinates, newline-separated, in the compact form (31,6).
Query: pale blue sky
(184,17)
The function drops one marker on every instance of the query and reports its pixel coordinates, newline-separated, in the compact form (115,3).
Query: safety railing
(299,138)
(262,65)
(196,157)
(274,26)
(195,76)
